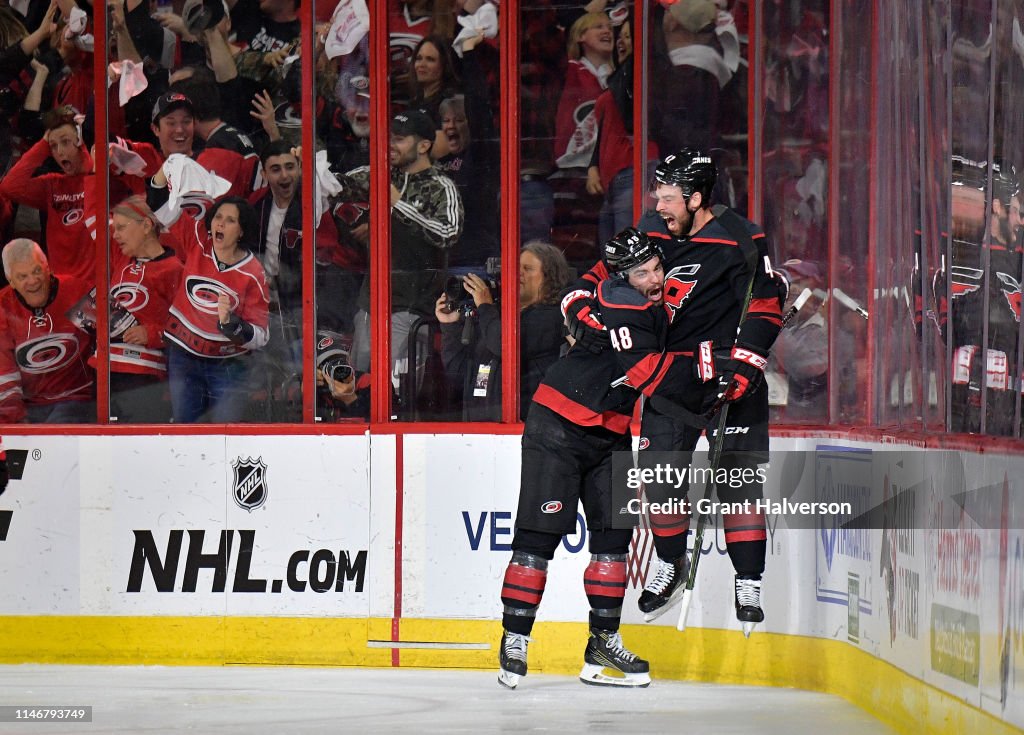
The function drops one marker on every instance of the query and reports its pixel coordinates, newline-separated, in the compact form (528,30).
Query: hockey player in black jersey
(575,424)
(716,266)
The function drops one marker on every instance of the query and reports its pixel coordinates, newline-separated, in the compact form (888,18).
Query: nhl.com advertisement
(227,555)
(261,527)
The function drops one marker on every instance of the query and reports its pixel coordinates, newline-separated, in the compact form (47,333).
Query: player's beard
(679,226)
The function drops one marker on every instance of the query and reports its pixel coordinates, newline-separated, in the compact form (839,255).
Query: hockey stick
(717,443)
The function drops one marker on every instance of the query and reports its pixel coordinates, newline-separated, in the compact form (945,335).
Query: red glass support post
(509,42)
(833,157)
(308,25)
(871,415)
(755,112)
(102,204)
(380,219)
(640,56)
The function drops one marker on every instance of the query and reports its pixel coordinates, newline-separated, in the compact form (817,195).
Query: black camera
(459,299)
(331,357)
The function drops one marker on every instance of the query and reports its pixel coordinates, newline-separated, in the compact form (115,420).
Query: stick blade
(684,608)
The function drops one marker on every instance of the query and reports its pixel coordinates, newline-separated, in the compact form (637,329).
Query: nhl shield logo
(250,486)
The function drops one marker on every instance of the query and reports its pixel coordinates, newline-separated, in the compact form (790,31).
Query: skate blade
(748,628)
(507,679)
(684,610)
(676,597)
(593,674)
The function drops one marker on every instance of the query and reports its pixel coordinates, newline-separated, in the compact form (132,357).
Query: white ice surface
(296,701)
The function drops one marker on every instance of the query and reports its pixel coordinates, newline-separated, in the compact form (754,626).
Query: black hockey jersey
(706,279)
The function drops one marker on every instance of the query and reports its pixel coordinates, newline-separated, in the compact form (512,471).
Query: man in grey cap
(426,223)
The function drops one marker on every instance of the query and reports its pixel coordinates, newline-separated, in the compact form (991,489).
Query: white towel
(133,80)
(327,186)
(188,179)
(349,25)
(484,22)
(126,161)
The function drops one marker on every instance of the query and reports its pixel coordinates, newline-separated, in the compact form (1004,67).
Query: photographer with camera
(471,350)
(340,394)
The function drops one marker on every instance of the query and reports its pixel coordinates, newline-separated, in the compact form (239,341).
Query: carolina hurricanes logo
(204,294)
(644,443)
(47,353)
(130,296)
(324,343)
(965,280)
(195,205)
(1011,292)
(677,288)
(72,216)
(552,506)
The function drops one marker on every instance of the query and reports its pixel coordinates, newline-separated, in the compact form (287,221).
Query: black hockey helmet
(628,249)
(974,174)
(691,170)
(1005,182)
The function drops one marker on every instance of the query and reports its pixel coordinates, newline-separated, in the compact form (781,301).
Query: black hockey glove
(582,321)
(237,330)
(783,285)
(742,375)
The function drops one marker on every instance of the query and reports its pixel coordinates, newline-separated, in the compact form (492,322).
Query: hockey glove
(742,376)
(583,323)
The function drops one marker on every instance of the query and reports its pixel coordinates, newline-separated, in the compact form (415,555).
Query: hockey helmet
(690,169)
(627,250)
(974,174)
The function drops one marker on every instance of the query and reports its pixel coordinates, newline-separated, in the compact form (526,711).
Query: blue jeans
(206,390)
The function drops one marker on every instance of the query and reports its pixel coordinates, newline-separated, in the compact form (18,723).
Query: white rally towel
(484,22)
(186,179)
(327,186)
(124,160)
(349,25)
(133,80)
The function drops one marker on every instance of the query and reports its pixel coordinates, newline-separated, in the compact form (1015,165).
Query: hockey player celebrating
(725,314)
(577,421)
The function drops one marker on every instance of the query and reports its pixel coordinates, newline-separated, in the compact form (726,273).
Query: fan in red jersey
(219,315)
(44,377)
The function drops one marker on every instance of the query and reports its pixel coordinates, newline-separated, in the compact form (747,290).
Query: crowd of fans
(205,222)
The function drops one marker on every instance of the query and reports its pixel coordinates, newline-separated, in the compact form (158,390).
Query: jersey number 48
(621,339)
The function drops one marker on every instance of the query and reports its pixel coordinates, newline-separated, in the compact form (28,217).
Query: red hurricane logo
(130,296)
(965,280)
(677,290)
(552,506)
(1012,293)
(204,293)
(47,353)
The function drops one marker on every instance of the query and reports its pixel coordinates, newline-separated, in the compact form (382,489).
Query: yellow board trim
(894,697)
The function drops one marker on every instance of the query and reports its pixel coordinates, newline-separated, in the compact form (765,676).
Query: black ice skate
(665,588)
(748,604)
(605,653)
(512,658)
